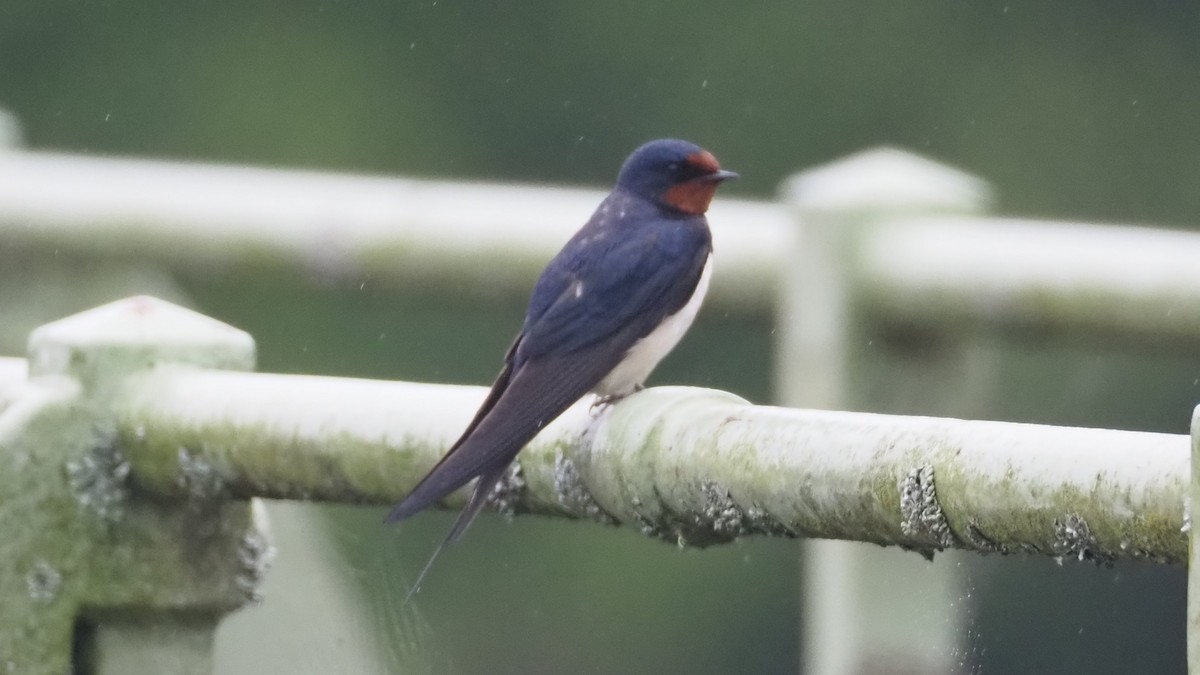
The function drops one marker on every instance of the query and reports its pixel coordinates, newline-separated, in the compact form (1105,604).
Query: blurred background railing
(877,277)
(1069,114)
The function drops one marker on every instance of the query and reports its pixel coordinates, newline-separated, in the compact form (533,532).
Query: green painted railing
(134,449)
(134,442)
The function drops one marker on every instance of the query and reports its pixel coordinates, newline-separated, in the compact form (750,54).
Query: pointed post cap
(134,334)
(886,180)
(10,131)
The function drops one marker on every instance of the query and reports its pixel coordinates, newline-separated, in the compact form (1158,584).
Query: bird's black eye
(673,167)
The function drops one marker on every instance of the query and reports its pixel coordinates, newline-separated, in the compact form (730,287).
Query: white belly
(645,354)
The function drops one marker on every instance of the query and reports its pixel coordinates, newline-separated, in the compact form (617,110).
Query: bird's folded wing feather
(562,353)
(628,291)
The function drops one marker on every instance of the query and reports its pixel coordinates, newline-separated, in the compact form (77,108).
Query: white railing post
(865,607)
(131,584)
(1193,600)
(10,131)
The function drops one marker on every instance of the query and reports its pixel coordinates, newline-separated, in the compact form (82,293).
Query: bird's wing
(639,281)
(520,403)
(535,394)
(602,305)
(434,485)
(560,355)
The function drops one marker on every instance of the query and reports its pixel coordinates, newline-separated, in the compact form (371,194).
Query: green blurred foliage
(1070,109)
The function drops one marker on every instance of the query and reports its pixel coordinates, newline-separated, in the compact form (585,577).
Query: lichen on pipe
(919,482)
(692,466)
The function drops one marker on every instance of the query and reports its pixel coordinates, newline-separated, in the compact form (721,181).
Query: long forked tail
(536,394)
(479,498)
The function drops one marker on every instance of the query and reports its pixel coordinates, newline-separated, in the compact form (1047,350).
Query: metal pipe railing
(912,265)
(913,258)
(392,231)
(950,272)
(691,465)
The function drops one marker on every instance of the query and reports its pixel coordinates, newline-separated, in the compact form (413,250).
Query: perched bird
(613,302)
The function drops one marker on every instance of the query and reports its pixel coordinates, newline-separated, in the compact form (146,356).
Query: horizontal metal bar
(430,234)
(387,230)
(690,465)
(955,270)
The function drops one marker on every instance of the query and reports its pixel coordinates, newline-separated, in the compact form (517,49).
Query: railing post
(94,577)
(10,131)
(1193,600)
(867,609)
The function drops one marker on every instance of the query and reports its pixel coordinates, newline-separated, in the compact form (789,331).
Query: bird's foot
(601,403)
(605,401)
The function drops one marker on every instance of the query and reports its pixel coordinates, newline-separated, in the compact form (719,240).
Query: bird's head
(679,175)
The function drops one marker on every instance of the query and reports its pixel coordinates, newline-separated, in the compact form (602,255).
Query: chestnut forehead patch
(705,161)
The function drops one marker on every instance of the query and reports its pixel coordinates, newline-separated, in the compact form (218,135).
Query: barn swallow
(608,307)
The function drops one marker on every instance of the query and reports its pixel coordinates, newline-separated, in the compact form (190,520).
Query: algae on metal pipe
(86,553)
(689,465)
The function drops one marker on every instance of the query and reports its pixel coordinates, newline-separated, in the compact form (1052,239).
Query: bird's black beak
(721,175)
